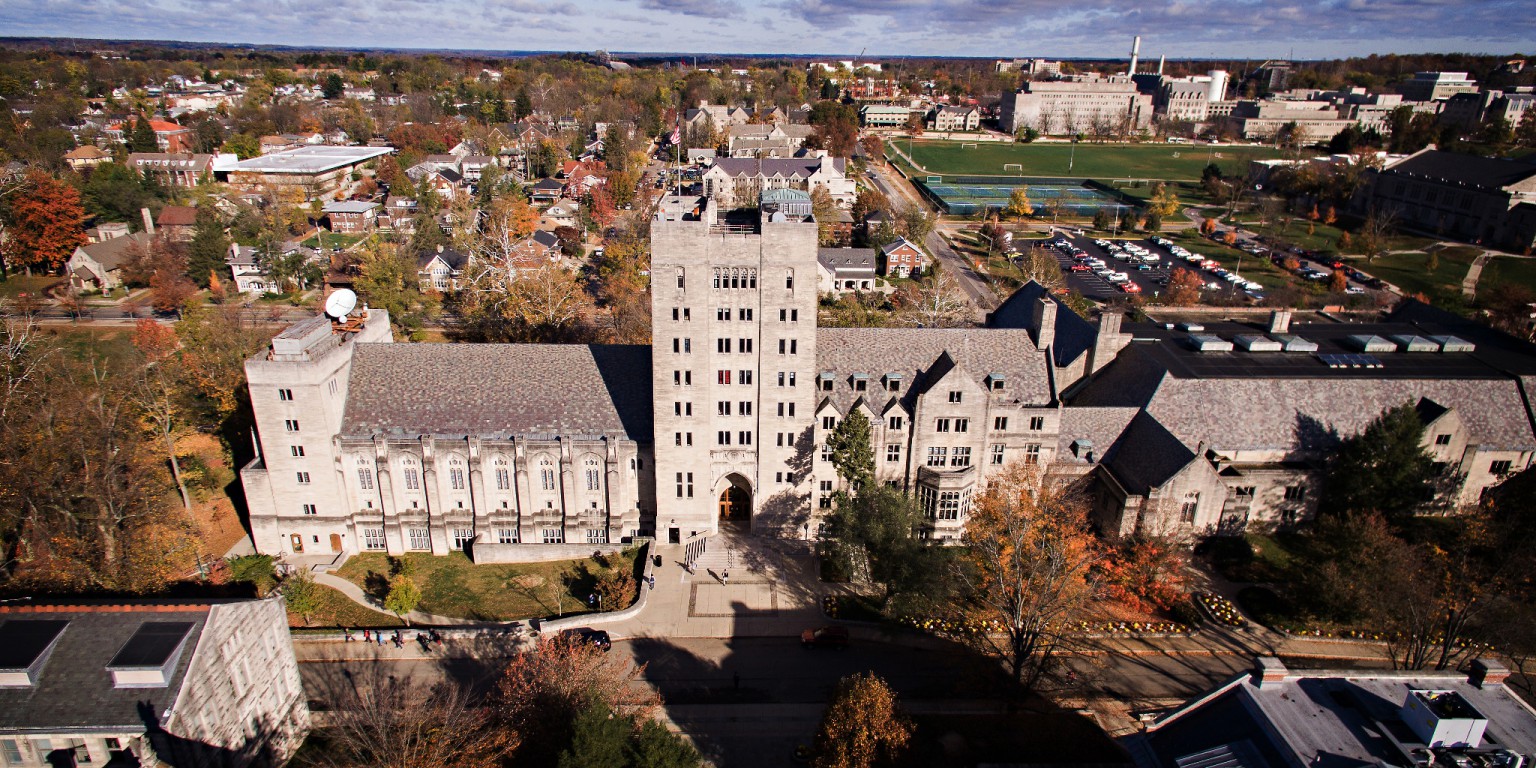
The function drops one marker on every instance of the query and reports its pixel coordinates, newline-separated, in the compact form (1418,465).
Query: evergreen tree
(1383,469)
(142,137)
(206,253)
(333,87)
(599,739)
(851,452)
(656,747)
(522,104)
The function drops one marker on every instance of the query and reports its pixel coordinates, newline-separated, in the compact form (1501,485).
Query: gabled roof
(537,389)
(176,216)
(546,238)
(455,259)
(1146,455)
(1074,335)
(748,167)
(846,259)
(547,185)
(916,354)
(115,252)
(897,245)
(1462,169)
(87,152)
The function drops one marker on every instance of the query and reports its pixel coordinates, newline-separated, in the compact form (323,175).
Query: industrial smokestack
(1160,61)
(1135,53)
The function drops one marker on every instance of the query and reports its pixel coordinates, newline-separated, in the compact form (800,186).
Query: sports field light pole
(1072,157)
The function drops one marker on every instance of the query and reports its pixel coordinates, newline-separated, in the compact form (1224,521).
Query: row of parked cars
(1082,262)
(1209,265)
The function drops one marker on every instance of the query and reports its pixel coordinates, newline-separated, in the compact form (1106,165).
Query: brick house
(902,259)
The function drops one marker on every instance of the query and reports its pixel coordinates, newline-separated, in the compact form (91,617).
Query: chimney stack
(1268,672)
(1045,322)
(1108,342)
(1135,53)
(1487,673)
(149,221)
(1280,321)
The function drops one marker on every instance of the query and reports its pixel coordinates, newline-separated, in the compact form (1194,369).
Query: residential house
(351,216)
(172,138)
(98,266)
(399,215)
(701,155)
(249,277)
(955,119)
(174,170)
(565,213)
(902,259)
(88,156)
(152,683)
(177,222)
(845,269)
(443,270)
(1274,717)
(884,116)
(280,143)
(545,191)
(542,247)
(106,231)
(740,182)
(444,177)
(582,177)
(473,165)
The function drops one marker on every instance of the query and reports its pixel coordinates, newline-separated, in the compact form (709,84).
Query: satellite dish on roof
(340,303)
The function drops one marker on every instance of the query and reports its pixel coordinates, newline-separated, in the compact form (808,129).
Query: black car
(587,636)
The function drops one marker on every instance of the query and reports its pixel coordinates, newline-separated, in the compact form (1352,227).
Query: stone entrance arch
(735,505)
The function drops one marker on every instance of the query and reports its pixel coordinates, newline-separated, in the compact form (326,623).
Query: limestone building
(525,452)
(1077,106)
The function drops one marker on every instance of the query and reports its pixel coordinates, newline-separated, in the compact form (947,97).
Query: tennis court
(963,197)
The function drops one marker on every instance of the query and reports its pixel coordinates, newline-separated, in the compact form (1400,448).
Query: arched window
(503,475)
(546,474)
(412,474)
(456,473)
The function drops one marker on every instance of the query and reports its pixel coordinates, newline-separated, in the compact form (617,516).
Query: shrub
(255,570)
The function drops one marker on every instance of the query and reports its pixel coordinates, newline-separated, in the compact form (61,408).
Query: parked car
(825,637)
(1130,288)
(587,636)
(1080,267)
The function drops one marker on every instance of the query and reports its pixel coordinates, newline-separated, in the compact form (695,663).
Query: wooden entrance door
(298,543)
(335,542)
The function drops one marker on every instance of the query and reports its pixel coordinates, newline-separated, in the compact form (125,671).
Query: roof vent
(25,645)
(1209,343)
(1290,342)
(1256,343)
(1191,327)
(1365,342)
(1444,719)
(1412,343)
(148,659)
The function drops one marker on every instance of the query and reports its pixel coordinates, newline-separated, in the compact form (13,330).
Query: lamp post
(1072,156)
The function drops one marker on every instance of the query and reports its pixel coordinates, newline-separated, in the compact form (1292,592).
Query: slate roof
(74,688)
(1099,426)
(177,216)
(1074,335)
(847,259)
(1146,455)
(453,258)
(915,353)
(500,389)
(1464,170)
(113,253)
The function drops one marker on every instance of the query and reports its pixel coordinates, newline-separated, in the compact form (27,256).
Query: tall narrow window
(365,478)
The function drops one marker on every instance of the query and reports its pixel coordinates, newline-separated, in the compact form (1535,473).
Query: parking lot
(1104,269)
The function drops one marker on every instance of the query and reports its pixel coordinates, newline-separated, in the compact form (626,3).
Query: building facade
(1054,107)
(1478,199)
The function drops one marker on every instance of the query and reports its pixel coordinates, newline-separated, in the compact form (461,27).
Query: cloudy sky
(1002,28)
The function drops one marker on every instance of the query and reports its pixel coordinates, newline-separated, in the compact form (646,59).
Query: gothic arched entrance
(736,503)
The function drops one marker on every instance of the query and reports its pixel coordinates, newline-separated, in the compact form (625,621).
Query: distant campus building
(522,452)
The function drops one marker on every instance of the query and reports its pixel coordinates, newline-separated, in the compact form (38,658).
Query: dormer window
(860,382)
(824,381)
(995,382)
(893,382)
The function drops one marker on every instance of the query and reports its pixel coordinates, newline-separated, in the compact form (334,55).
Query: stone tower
(733,313)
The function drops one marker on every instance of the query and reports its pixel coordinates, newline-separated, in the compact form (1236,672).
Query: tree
(42,224)
(863,726)
(1026,135)
(851,452)
(1103,219)
(1163,202)
(160,393)
(1040,265)
(1030,567)
(1525,130)
(1338,281)
(403,596)
(387,279)
(914,124)
(333,87)
(874,535)
(914,223)
(936,302)
(244,145)
(539,695)
(656,747)
(824,209)
(1385,468)
(1147,573)
(599,739)
(1019,205)
(378,718)
(301,594)
(868,201)
(215,342)
(504,302)
(141,138)
(209,248)
(1207,227)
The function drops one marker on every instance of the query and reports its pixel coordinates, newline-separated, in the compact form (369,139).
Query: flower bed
(852,608)
(1221,609)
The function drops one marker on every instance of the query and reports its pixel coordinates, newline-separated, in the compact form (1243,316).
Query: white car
(1118,277)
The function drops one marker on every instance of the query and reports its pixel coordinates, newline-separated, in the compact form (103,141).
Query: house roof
(113,253)
(1463,169)
(547,185)
(87,152)
(500,389)
(177,216)
(1074,335)
(313,159)
(349,206)
(897,245)
(455,259)
(847,259)
(74,689)
(768,167)
(545,238)
(1146,455)
(160,126)
(242,256)
(916,354)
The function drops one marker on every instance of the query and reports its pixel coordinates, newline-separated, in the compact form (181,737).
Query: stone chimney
(1488,673)
(1280,321)
(1268,672)
(149,221)
(1108,342)
(1044,318)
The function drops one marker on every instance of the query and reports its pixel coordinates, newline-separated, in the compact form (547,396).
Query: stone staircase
(740,553)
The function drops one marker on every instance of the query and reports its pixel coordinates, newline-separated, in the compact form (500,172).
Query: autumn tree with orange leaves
(43,225)
(1183,288)
(1029,569)
(540,694)
(863,726)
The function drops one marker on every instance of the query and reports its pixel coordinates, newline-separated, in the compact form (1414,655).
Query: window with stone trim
(373,539)
(893,452)
(506,535)
(552,535)
(456,475)
(997,454)
(594,476)
(1032,453)
(503,476)
(462,537)
(960,457)
(597,535)
(420,539)
(546,475)
(1189,507)
(938,456)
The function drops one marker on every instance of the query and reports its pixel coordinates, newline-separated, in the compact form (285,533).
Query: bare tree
(938,302)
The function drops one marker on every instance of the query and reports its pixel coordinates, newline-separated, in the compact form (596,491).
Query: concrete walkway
(356,595)
(1469,283)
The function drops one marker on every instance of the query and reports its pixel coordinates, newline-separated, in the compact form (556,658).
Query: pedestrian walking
(725,578)
(398,642)
(347,634)
(592,600)
(366,638)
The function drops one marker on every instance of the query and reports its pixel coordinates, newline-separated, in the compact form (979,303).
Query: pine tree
(599,739)
(656,747)
(142,138)
(333,87)
(206,252)
(1383,469)
(851,452)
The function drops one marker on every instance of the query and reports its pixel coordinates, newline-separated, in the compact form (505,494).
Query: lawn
(451,585)
(14,286)
(1410,271)
(1094,161)
(332,240)
(1503,270)
(337,610)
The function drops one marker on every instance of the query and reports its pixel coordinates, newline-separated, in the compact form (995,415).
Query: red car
(1081,267)
(1130,288)
(826,637)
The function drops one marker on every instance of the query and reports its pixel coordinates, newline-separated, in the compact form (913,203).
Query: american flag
(677,136)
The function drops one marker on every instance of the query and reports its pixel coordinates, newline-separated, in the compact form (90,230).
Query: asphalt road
(976,289)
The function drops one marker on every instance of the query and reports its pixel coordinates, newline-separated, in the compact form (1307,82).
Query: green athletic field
(1105,162)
